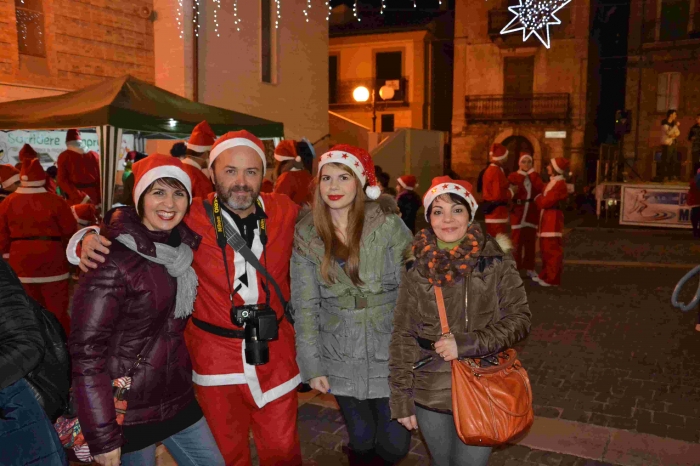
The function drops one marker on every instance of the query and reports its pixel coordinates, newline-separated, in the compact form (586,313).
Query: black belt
(38,238)
(522,201)
(88,185)
(223,331)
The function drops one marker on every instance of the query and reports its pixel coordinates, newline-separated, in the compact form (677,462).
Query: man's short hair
(178,150)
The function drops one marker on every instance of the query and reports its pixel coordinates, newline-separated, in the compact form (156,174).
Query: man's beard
(237,197)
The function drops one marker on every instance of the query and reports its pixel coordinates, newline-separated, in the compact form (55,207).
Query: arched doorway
(516,145)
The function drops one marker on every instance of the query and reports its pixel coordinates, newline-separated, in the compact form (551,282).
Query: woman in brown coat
(486,309)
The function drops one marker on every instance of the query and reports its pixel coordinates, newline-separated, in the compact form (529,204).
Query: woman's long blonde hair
(333,246)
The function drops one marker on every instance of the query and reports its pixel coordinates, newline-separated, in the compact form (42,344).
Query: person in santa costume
(496,192)
(293,178)
(79,172)
(35,225)
(9,180)
(408,200)
(27,152)
(551,227)
(196,156)
(524,215)
(85,214)
(236,396)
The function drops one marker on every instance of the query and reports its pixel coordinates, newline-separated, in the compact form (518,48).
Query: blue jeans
(370,427)
(26,434)
(194,446)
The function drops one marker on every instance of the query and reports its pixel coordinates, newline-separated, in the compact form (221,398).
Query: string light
(195,19)
(414,3)
(383,7)
(217,5)
(354,11)
(279,13)
(180,19)
(306,10)
(328,15)
(24,19)
(534,17)
(236,19)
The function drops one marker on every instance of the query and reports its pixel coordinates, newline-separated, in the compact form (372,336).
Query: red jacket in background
(79,177)
(201,185)
(525,214)
(495,189)
(693,199)
(296,185)
(551,217)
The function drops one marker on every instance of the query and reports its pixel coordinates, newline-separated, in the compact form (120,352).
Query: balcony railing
(670,29)
(341,93)
(518,107)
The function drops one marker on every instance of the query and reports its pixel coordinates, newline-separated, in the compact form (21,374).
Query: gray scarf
(178,262)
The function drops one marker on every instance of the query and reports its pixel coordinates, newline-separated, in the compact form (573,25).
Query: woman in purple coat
(135,308)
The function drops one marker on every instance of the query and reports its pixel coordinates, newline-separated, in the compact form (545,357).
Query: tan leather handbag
(490,405)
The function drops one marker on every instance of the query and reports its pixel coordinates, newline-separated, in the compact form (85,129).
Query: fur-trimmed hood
(504,242)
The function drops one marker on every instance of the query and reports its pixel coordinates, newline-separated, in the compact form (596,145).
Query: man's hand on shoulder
(93,248)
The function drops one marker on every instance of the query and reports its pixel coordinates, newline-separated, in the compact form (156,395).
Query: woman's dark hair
(670,112)
(456,199)
(167,181)
(384,179)
(178,149)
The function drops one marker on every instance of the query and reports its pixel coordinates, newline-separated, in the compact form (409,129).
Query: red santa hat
(157,166)
(446,185)
(525,155)
(84,214)
(286,150)
(237,139)
(32,174)
(9,175)
(408,182)
(359,161)
(498,152)
(27,152)
(202,138)
(560,165)
(73,135)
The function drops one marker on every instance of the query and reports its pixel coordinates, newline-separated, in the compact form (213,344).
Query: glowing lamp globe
(360,94)
(386,93)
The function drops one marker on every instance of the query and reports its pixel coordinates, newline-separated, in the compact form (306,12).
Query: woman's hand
(321,384)
(409,422)
(91,247)
(446,347)
(112,458)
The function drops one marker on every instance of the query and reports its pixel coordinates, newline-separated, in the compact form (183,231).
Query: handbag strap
(441,310)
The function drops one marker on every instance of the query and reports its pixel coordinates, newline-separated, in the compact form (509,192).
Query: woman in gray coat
(346,266)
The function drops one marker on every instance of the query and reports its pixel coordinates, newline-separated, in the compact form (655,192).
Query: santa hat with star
(9,175)
(240,138)
(446,185)
(498,152)
(202,138)
(158,166)
(359,161)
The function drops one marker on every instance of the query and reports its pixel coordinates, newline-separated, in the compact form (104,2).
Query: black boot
(361,458)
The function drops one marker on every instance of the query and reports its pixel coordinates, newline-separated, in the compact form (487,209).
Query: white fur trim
(524,156)
(78,219)
(403,185)
(55,278)
(164,171)
(236,142)
(26,190)
(496,220)
(550,234)
(10,181)
(76,146)
(347,159)
(557,167)
(216,380)
(86,199)
(6,256)
(451,188)
(498,159)
(373,192)
(197,148)
(284,158)
(73,242)
(504,242)
(32,184)
(192,163)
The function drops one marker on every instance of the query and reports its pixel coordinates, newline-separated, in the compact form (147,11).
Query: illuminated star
(534,17)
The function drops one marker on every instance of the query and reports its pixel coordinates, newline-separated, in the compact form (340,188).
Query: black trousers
(695,220)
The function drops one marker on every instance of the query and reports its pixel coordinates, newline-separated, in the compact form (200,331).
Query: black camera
(261,326)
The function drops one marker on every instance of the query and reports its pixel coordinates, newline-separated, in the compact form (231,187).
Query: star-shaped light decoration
(534,17)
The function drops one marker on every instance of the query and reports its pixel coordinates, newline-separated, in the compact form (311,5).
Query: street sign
(555,134)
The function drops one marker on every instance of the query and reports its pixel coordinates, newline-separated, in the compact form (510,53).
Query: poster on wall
(49,144)
(655,206)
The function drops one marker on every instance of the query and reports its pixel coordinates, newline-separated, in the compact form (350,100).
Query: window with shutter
(30,27)
(668,91)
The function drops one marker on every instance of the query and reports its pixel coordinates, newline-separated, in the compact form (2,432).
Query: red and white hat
(202,138)
(32,174)
(157,166)
(524,155)
(286,150)
(84,214)
(359,161)
(237,139)
(498,152)
(9,175)
(27,152)
(408,182)
(446,185)
(560,165)
(73,135)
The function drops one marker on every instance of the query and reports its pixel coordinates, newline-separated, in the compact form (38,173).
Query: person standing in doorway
(670,130)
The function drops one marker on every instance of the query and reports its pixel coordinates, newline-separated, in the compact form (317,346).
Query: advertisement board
(655,206)
(49,144)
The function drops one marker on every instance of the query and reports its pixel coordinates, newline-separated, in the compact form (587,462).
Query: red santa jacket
(296,185)
(79,177)
(220,361)
(35,226)
(551,216)
(525,213)
(201,185)
(495,189)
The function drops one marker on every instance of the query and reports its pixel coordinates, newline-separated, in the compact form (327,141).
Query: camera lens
(257,352)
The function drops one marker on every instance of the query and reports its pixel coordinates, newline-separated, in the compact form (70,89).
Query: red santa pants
(494,229)
(231,412)
(524,241)
(54,297)
(552,260)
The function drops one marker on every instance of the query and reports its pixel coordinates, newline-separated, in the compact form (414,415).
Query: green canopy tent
(121,105)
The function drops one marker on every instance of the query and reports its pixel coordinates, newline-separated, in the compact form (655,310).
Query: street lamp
(362,94)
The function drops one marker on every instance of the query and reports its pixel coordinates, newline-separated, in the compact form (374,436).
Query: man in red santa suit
(9,180)
(196,157)
(524,216)
(35,225)
(27,152)
(236,396)
(293,179)
(79,172)
(496,192)
(551,227)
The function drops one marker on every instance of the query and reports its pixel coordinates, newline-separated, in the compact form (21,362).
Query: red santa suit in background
(551,229)
(36,225)
(292,177)
(198,147)
(9,181)
(84,214)
(524,215)
(496,192)
(79,172)
(27,152)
